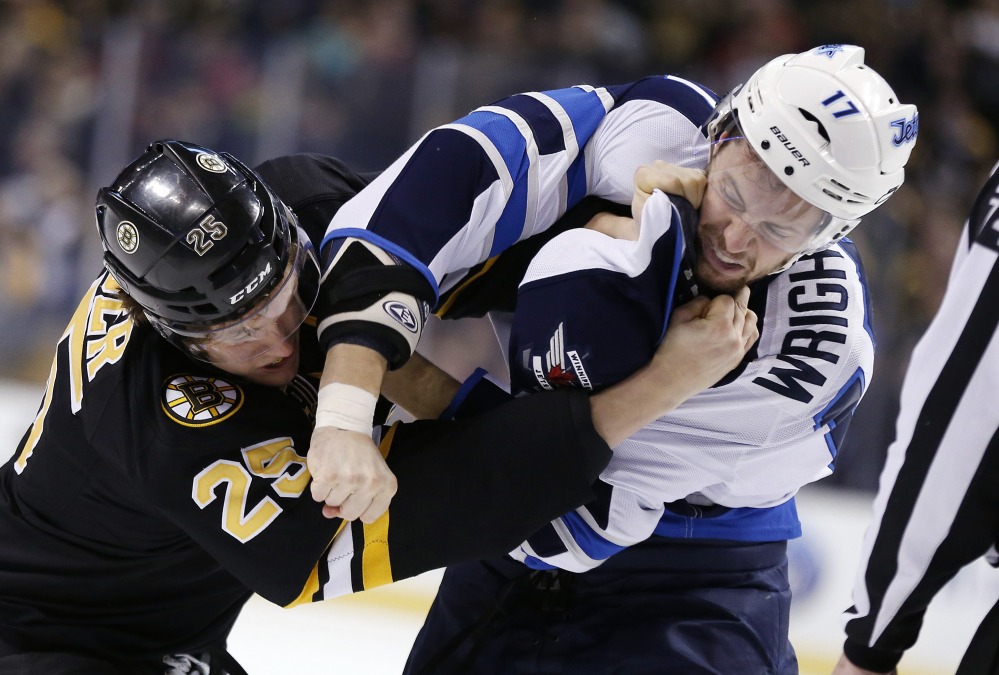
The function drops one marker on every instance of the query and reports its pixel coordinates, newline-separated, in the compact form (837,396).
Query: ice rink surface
(371,633)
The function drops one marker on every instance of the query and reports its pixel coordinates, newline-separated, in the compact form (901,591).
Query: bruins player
(164,478)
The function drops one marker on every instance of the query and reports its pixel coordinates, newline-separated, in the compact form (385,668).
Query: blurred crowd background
(85,85)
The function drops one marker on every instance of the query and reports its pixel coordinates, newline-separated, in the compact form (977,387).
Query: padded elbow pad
(369,298)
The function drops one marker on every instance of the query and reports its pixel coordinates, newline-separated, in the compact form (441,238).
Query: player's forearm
(421,388)
(354,365)
(621,410)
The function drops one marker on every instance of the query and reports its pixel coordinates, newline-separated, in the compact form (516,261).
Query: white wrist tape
(345,406)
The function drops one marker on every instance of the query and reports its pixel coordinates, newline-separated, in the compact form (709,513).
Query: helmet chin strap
(687,287)
(790,261)
(722,120)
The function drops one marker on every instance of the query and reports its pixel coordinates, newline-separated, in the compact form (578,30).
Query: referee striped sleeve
(936,510)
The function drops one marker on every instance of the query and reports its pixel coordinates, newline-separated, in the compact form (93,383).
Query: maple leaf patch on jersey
(198,401)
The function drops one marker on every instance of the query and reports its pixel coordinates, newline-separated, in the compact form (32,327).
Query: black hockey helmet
(199,241)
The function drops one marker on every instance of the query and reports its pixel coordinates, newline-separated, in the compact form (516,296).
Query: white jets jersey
(726,463)
(467,191)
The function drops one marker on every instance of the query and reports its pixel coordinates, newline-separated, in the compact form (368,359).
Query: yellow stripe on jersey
(446,307)
(75,333)
(309,590)
(376,563)
(39,423)
(311,587)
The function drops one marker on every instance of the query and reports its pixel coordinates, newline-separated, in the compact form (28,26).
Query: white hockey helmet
(829,127)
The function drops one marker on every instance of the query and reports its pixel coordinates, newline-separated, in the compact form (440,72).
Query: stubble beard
(709,280)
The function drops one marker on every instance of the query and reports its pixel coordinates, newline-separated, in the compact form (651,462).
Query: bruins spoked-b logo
(211,162)
(196,401)
(128,237)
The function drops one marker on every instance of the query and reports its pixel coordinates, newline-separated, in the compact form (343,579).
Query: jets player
(794,158)
(164,478)
(936,509)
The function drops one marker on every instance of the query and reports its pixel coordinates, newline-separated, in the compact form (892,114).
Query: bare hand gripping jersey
(153,493)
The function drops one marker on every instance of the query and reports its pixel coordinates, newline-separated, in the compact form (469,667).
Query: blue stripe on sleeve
(431,201)
(470,382)
(584,108)
(510,225)
(505,136)
(840,410)
(535,564)
(676,227)
(546,128)
(512,146)
(385,245)
(589,541)
(576,181)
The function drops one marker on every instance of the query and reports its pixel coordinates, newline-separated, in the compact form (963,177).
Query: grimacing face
(263,348)
(276,349)
(750,223)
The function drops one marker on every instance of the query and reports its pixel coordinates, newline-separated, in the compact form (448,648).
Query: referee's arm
(937,508)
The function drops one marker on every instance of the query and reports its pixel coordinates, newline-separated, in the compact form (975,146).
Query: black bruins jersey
(154,493)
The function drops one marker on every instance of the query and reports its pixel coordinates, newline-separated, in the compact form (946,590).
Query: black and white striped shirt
(938,507)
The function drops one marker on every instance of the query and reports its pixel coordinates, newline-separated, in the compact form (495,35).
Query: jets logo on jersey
(196,401)
(558,367)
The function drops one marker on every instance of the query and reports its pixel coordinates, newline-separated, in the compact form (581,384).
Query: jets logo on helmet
(127,236)
(829,50)
(905,130)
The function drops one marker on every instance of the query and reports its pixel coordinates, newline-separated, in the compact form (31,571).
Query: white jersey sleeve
(468,190)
